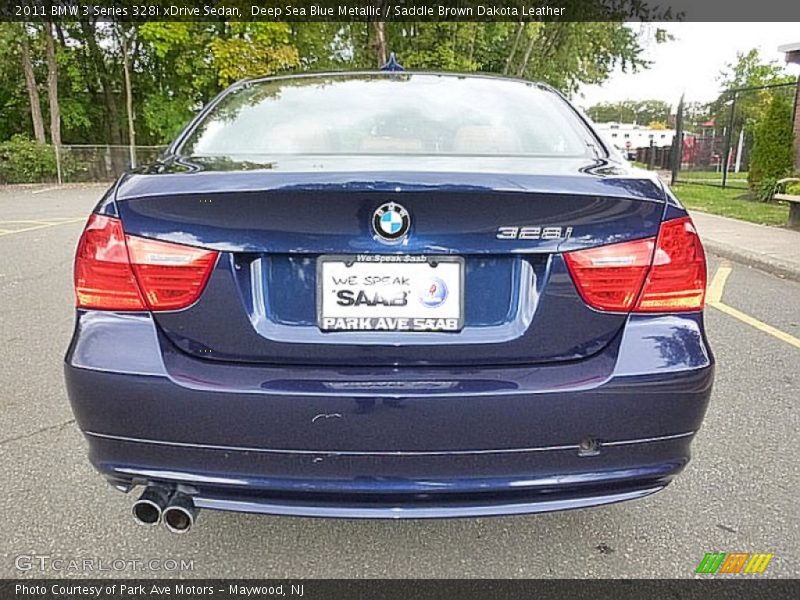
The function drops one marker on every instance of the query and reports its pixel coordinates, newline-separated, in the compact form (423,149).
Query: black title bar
(383,589)
(398,10)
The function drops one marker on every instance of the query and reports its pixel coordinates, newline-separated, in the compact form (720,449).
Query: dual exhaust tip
(174,508)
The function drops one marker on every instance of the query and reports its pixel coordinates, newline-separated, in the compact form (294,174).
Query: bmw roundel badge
(391,221)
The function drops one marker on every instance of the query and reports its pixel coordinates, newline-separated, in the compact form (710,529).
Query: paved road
(740,493)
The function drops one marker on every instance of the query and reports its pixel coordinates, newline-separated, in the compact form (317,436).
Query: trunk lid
(271,226)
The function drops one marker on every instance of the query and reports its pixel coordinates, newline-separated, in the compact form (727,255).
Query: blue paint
(241,398)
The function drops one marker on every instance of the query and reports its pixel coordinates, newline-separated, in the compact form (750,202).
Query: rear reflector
(118,272)
(630,277)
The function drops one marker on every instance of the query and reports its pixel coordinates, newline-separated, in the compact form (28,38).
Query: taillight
(677,279)
(170,276)
(118,272)
(103,275)
(610,277)
(630,277)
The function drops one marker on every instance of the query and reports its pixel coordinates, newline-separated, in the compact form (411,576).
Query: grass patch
(687,174)
(732,203)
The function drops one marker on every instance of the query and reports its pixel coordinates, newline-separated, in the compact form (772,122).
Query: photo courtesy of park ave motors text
(509,296)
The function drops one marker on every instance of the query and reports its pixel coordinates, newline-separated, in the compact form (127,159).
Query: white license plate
(390,293)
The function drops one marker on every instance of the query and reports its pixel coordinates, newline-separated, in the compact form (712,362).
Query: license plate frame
(392,322)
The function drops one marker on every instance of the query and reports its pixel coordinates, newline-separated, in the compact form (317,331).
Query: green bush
(772,155)
(23,160)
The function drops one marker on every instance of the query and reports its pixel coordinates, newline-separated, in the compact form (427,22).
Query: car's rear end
(376,296)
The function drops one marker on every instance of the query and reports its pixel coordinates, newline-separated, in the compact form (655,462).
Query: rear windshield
(427,115)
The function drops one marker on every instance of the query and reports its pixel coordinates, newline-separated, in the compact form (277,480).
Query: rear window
(426,115)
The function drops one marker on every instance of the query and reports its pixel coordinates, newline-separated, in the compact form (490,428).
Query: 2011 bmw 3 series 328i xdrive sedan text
(388,295)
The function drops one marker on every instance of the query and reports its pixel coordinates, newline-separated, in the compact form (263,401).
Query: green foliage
(772,155)
(165,116)
(252,50)
(730,202)
(14,111)
(631,111)
(749,71)
(23,160)
(179,66)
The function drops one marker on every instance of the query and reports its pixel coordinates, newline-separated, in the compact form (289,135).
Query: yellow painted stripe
(14,221)
(49,189)
(714,298)
(42,226)
(760,325)
(717,286)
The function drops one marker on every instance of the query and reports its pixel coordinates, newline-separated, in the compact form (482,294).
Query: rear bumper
(350,442)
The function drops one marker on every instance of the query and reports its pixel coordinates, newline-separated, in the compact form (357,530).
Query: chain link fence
(23,160)
(717,146)
(82,163)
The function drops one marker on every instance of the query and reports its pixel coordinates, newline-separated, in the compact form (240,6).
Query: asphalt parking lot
(740,493)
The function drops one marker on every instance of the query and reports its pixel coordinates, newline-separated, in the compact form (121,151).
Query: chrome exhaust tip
(147,510)
(180,513)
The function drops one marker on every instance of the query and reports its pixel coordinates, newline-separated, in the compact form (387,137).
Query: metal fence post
(58,162)
(677,143)
(726,154)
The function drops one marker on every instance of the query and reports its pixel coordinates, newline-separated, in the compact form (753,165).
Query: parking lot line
(714,298)
(48,189)
(39,225)
(39,221)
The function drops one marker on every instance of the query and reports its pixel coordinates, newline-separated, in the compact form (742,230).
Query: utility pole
(726,154)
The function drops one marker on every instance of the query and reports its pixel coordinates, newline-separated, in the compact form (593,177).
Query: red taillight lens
(118,272)
(610,277)
(677,279)
(103,275)
(170,276)
(613,277)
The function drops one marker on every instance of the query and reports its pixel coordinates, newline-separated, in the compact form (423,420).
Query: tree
(772,156)
(631,111)
(141,83)
(125,45)
(379,41)
(30,84)
(92,34)
(749,71)
(52,95)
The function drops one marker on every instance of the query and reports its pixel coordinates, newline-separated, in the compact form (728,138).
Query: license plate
(390,293)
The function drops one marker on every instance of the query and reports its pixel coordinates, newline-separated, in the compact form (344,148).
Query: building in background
(628,137)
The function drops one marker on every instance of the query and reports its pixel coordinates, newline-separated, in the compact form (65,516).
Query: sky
(692,62)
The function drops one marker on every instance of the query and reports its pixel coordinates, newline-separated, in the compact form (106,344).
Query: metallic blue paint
(246,404)
(315,440)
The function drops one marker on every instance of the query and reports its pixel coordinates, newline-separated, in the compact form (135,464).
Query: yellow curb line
(714,298)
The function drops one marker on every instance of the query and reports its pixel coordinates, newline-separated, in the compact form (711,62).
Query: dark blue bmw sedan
(388,295)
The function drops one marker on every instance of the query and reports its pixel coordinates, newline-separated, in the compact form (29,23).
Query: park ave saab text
(180,589)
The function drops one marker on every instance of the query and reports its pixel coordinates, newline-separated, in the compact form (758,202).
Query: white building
(627,137)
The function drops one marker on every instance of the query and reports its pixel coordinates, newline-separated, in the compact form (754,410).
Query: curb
(763,262)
